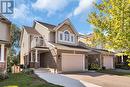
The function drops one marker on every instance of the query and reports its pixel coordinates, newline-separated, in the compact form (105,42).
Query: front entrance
(93,61)
(43,64)
(47,60)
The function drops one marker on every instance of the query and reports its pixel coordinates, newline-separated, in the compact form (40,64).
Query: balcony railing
(38,42)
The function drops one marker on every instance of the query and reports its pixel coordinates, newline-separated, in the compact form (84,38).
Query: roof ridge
(45,23)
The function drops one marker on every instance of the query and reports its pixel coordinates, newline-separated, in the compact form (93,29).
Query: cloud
(83,5)
(22,15)
(51,6)
(21,12)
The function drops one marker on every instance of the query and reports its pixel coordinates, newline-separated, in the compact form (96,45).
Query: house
(4,42)
(56,47)
(101,57)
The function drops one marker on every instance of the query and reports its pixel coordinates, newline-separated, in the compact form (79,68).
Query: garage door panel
(108,62)
(72,62)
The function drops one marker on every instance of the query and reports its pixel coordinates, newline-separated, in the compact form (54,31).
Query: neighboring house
(89,41)
(4,42)
(57,47)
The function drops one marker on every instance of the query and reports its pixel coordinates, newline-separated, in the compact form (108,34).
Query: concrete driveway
(104,80)
(63,80)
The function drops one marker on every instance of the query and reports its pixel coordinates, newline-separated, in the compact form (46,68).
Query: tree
(112,24)
(15,38)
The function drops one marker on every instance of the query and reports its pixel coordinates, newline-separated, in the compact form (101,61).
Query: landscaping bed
(24,80)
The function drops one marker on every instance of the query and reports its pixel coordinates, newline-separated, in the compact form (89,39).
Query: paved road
(104,80)
(65,81)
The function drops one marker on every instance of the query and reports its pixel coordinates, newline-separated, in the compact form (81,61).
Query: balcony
(38,42)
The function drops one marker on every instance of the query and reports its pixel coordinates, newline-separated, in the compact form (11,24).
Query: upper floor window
(72,38)
(66,36)
(61,36)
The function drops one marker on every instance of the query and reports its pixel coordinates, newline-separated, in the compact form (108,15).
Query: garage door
(73,62)
(108,62)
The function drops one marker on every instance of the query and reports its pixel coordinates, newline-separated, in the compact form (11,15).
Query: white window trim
(2,52)
(59,36)
(72,35)
(63,37)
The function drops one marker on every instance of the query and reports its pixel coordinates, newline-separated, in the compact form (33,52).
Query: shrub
(94,66)
(3,76)
(28,71)
(103,68)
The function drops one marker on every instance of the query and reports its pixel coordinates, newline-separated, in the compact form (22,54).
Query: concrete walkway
(62,80)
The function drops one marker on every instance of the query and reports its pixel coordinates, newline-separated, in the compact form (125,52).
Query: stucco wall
(4,32)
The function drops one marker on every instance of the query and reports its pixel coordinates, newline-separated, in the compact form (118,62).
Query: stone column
(32,61)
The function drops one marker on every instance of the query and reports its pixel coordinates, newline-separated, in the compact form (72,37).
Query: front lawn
(114,72)
(23,80)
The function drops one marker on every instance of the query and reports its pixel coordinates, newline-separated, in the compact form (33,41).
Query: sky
(53,12)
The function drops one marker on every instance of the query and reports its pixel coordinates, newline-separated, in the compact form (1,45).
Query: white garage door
(108,62)
(73,62)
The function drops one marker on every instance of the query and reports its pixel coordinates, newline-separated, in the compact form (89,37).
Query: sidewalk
(62,80)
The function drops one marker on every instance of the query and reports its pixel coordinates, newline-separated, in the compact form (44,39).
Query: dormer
(66,33)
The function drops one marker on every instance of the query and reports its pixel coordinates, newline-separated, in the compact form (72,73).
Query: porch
(41,57)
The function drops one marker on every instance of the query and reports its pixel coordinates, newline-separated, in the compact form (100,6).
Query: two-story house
(4,42)
(50,46)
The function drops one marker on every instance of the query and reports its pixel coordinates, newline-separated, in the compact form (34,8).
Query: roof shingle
(49,26)
(30,30)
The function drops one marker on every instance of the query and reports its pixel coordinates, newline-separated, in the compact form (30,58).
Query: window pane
(61,36)
(66,36)
(72,39)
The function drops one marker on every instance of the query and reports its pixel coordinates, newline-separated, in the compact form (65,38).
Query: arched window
(66,36)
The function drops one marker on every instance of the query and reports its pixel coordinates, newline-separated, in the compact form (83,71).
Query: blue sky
(53,11)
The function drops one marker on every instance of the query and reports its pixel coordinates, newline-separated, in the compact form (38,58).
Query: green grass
(114,72)
(23,80)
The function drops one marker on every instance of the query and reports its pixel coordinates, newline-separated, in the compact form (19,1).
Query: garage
(73,62)
(108,62)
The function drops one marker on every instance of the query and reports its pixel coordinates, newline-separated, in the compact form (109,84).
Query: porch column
(31,56)
(101,61)
(36,55)
(122,59)
(2,52)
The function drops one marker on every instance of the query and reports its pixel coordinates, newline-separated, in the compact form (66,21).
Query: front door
(42,60)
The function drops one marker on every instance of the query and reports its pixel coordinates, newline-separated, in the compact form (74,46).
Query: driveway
(63,80)
(104,80)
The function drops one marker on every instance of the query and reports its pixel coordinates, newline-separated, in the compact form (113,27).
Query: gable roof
(31,31)
(4,19)
(49,26)
(68,22)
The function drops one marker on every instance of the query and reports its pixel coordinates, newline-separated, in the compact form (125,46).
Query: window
(72,38)
(61,36)
(66,36)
